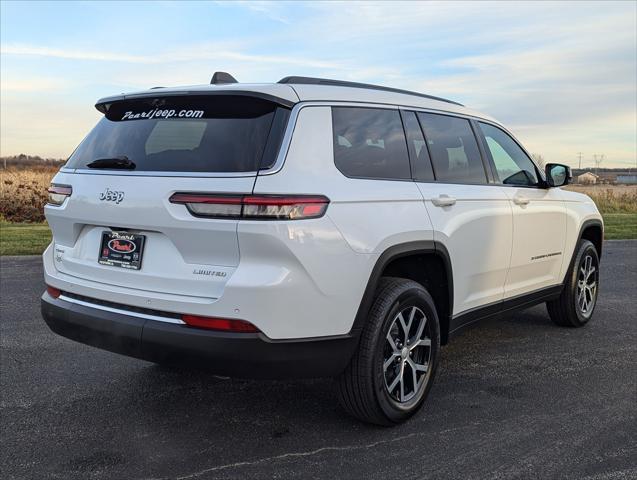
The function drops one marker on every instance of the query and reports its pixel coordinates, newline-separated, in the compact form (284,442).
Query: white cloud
(561,74)
(186,54)
(271,10)
(23,85)
(41,51)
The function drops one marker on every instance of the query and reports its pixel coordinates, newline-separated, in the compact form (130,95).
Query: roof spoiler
(104,104)
(343,83)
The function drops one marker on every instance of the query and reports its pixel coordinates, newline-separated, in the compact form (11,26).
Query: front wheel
(393,368)
(575,306)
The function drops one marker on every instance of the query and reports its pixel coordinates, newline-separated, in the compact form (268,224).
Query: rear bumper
(231,354)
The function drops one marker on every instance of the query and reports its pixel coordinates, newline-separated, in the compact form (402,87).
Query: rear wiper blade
(122,163)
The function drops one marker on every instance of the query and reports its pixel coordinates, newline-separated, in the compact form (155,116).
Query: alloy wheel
(407,354)
(587,285)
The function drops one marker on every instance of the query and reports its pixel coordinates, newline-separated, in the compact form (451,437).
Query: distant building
(626,179)
(588,178)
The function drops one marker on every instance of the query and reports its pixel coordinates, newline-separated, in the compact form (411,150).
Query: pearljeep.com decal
(159,113)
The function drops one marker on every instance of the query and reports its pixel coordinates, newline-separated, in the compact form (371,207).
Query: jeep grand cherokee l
(308,228)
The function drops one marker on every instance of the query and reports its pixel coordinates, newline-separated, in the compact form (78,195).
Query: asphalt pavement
(515,397)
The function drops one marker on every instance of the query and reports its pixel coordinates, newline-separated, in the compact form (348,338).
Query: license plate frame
(121,249)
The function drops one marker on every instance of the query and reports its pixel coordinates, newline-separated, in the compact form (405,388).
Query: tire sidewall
(411,296)
(584,249)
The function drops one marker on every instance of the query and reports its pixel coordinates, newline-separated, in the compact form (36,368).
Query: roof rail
(342,83)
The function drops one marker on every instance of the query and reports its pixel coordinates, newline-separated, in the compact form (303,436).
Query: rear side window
(514,167)
(215,133)
(453,148)
(370,143)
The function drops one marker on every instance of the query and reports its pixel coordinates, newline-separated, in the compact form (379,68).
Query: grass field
(23,238)
(618,226)
(32,239)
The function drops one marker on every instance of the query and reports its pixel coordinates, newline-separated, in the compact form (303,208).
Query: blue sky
(562,76)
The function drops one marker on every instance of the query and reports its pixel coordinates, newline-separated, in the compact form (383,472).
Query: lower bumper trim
(248,355)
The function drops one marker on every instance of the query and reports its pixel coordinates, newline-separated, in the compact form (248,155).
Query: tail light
(54,292)
(255,207)
(220,324)
(59,193)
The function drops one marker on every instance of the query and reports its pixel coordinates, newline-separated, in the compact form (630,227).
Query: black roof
(343,83)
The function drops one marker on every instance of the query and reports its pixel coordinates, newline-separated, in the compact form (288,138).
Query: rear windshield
(215,133)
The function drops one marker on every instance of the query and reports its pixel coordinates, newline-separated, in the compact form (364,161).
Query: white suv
(308,228)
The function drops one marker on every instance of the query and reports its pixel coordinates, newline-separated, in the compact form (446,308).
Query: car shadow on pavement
(200,402)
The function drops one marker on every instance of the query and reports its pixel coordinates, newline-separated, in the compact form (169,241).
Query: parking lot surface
(515,397)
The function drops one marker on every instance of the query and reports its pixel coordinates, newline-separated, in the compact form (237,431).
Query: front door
(539,216)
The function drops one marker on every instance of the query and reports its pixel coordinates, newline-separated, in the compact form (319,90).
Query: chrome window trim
(122,312)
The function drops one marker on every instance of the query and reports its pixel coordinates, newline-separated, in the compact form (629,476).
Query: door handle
(521,200)
(443,201)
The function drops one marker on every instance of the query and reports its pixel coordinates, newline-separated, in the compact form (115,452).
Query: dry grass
(610,198)
(23,194)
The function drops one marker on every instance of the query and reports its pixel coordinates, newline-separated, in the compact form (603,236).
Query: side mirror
(558,175)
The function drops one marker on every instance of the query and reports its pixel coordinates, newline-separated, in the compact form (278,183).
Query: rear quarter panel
(371,214)
(364,218)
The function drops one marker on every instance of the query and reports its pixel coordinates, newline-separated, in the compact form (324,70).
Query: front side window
(514,167)
(215,133)
(370,143)
(453,148)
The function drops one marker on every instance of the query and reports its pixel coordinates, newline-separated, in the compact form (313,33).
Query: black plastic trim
(393,253)
(419,169)
(246,355)
(487,161)
(588,223)
(519,302)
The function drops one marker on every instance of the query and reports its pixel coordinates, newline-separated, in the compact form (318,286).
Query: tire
(570,309)
(364,387)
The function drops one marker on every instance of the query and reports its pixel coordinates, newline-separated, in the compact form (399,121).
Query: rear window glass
(213,133)
(370,143)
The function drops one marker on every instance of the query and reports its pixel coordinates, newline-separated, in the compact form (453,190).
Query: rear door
(539,215)
(125,171)
(471,216)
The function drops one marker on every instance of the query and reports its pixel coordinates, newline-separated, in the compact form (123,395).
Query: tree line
(23,161)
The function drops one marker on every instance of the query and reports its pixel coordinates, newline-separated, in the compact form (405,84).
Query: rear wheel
(575,306)
(393,369)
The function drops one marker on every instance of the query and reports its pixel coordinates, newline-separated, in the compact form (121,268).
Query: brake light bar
(220,324)
(254,207)
(59,193)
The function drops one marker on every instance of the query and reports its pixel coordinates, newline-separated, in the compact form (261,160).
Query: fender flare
(593,222)
(392,253)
